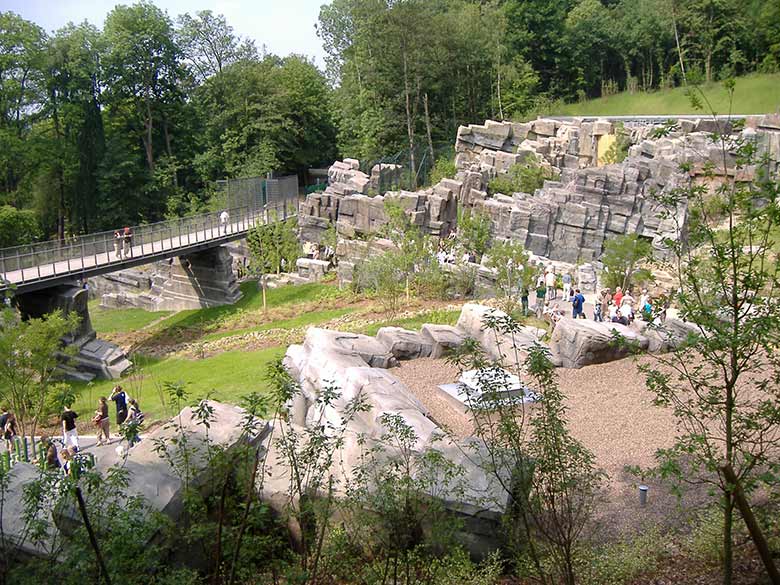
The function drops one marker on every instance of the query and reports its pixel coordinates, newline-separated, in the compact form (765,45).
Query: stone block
(601,127)
(443,338)
(404,344)
(544,127)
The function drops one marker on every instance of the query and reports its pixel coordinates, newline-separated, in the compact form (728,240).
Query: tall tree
(208,43)
(142,71)
(21,98)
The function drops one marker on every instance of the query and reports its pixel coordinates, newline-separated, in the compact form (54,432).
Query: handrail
(54,259)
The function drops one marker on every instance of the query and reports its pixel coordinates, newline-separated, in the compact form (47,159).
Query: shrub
(443,169)
(524,177)
(474,231)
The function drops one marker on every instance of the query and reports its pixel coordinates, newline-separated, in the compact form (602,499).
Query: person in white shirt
(223,221)
(549,281)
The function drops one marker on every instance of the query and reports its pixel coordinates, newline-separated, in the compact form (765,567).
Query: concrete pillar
(94,357)
(199,280)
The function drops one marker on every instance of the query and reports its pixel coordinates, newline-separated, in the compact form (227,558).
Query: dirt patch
(610,410)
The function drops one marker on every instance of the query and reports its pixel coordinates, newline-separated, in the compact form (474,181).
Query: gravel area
(610,410)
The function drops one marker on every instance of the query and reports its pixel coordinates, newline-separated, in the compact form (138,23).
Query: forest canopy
(135,121)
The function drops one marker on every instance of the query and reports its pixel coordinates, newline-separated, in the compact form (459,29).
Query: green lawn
(121,320)
(754,94)
(226,377)
(304,320)
(251,301)
(437,316)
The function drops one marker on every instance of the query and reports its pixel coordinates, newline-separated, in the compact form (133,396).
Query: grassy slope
(226,377)
(121,320)
(229,375)
(754,94)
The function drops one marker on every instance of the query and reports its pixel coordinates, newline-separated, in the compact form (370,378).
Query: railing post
(82,254)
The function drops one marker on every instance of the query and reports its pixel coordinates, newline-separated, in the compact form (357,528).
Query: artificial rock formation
(199,280)
(569,218)
(94,357)
(330,359)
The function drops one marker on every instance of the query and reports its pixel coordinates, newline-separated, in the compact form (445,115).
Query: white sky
(283,26)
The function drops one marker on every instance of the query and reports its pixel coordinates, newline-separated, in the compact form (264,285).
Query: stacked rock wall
(346,203)
(198,280)
(569,218)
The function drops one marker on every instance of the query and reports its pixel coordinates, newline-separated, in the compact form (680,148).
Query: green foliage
(514,272)
(474,231)
(622,562)
(721,382)
(618,150)
(17,227)
(384,276)
(623,259)
(520,178)
(29,355)
(274,247)
(550,476)
(393,506)
(443,169)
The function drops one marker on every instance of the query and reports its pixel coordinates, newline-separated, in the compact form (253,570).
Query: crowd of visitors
(129,417)
(617,307)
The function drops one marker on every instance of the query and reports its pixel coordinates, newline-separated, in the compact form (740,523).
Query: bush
(443,169)
(474,231)
(622,562)
(382,277)
(622,258)
(520,178)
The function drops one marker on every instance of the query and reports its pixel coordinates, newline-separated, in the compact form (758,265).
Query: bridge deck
(25,269)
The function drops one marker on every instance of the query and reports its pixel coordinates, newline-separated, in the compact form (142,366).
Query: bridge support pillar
(94,357)
(199,280)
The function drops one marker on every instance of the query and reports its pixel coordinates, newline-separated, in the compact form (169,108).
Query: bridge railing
(57,258)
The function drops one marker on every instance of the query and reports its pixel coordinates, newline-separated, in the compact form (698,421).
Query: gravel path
(611,412)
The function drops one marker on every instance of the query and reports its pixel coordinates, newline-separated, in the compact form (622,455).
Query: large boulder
(665,336)
(498,346)
(580,342)
(443,338)
(404,344)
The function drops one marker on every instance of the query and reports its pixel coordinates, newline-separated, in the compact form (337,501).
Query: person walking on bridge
(223,221)
(127,244)
(118,242)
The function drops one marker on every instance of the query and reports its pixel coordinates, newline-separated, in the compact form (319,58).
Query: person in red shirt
(618,296)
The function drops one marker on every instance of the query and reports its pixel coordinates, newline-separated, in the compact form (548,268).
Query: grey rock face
(93,357)
(580,342)
(404,344)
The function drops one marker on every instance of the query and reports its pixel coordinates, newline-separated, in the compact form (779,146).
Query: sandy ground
(611,412)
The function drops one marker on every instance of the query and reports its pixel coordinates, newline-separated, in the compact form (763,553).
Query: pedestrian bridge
(47,264)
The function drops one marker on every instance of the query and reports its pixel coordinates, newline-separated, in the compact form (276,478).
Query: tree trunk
(428,127)
(728,552)
(60,173)
(677,42)
(148,126)
(169,150)
(409,125)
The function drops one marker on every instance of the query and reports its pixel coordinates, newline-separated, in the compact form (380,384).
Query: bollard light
(643,489)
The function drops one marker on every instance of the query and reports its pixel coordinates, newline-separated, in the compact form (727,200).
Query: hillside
(754,94)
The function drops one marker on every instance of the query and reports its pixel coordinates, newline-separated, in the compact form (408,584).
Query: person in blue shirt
(120,399)
(577,304)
